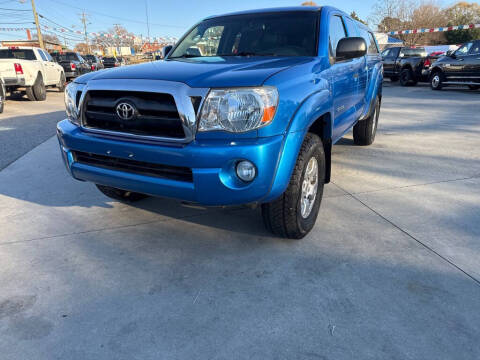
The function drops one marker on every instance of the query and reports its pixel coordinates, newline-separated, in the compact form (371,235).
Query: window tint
(351,27)
(463,50)
(22,54)
(475,49)
(42,55)
(370,40)
(336,31)
(411,52)
(65,56)
(372,48)
(276,34)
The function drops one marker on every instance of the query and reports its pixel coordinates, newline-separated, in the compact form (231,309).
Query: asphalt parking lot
(390,271)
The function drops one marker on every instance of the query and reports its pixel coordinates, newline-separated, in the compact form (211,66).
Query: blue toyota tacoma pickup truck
(243,110)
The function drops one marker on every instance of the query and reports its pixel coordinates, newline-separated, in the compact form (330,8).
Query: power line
(117,17)
(14,9)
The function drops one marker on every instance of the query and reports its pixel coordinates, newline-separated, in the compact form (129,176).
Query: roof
(271,10)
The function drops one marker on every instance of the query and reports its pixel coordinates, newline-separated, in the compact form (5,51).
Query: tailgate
(7,70)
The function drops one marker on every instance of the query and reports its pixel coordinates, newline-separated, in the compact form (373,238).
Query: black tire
(283,216)
(61,84)
(30,94)
(121,195)
(393,78)
(3,95)
(436,80)
(407,78)
(364,131)
(474,87)
(38,91)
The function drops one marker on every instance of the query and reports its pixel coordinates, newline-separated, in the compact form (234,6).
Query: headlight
(238,109)
(71,104)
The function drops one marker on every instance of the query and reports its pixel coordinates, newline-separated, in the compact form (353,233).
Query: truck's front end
(189,127)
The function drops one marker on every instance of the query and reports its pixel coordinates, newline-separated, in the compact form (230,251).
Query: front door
(389,61)
(456,68)
(344,80)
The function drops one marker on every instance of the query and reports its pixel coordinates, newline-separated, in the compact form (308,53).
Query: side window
(49,58)
(336,31)
(475,49)
(42,55)
(385,53)
(372,48)
(394,52)
(351,28)
(464,49)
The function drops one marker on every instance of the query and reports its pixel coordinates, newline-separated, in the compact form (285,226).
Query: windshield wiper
(184,56)
(247,53)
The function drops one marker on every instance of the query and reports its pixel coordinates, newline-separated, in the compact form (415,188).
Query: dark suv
(461,67)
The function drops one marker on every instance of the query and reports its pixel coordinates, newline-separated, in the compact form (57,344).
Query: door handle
(460,59)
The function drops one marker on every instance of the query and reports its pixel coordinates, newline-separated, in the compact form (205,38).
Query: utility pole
(39,33)
(148,23)
(84,21)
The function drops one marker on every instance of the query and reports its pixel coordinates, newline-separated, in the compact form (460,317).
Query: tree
(462,13)
(82,48)
(354,16)
(393,15)
(117,36)
(46,37)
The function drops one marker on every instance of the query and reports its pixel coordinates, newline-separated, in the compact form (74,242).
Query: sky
(167,18)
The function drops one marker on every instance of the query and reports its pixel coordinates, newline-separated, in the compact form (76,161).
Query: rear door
(48,74)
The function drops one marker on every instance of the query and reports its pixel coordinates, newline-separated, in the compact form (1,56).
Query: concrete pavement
(390,271)
(25,124)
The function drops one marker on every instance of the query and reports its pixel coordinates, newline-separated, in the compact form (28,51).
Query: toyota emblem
(125,111)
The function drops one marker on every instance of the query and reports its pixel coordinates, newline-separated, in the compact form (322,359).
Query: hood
(203,72)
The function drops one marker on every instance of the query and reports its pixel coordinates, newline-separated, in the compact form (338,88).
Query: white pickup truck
(30,70)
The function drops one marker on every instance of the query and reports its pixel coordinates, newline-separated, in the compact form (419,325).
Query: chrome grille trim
(181,93)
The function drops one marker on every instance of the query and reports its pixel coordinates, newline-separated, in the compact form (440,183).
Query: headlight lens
(71,102)
(238,109)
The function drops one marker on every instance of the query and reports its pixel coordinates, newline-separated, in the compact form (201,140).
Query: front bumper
(212,163)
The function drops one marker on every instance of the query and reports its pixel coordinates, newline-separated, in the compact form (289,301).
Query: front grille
(156,114)
(178,173)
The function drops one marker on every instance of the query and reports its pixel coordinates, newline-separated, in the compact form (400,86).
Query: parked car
(94,61)
(31,70)
(73,64)
(405,64)
(252,122)
(110,62)
(429,60)
(3,93)
(460,67)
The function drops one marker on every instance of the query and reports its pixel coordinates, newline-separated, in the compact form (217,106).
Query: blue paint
(309,88)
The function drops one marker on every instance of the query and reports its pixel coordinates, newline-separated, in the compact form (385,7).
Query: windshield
(275,34)
(22,54)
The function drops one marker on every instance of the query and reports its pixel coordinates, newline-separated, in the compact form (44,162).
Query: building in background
(50,46)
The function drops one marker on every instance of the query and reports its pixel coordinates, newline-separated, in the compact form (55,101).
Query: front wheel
(364,131)
(436,81)
(294,213)
(119,194)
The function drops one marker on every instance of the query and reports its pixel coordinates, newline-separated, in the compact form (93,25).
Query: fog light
(246,170)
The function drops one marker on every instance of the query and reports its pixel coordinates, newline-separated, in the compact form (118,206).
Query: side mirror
(351,48)
(166,50)
(451,53)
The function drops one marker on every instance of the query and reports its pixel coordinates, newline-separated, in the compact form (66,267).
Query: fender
(312,109)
